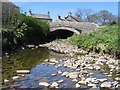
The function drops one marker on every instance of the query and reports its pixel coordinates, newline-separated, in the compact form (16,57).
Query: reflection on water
(25,59)
(42,73)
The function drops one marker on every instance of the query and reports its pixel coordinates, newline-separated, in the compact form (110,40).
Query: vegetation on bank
(104,40)
(23,30)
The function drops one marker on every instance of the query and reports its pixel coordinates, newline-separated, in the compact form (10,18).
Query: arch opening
(58,34)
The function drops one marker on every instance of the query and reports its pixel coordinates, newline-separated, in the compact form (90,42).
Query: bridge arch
(65,28)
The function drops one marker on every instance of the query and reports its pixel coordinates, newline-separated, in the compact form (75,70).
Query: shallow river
(32,59)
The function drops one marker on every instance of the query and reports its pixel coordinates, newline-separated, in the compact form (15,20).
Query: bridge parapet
(85,27)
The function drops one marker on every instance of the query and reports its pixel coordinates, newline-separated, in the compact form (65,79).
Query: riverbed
(34,59)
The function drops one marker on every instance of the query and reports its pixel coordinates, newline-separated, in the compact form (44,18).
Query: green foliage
(24,30)
(105,40)
(29,30)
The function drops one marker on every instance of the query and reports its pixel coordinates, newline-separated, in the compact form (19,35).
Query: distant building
(69,17)
(8,11)
(44,17)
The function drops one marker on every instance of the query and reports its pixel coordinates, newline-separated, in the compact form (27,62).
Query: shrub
(105,40)
(30,30)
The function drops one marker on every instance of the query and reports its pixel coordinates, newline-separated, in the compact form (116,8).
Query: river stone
(60,81)
(15,77)
(59,72)
(90,67)
(102,79)
(82,82)
(77,85)
(88,80)
(91,85)
(97,67)
(56,67)
(46,60)
(54,84)
(117,78)
(95,81)
(5,80)
(84,72)
(53,60)
(44,84)
(23,71)
(115,83)
(73,75)
(75,80)
(53,74)
(109,75)
(51,63)
(106,84)
(59,65)
(65,73)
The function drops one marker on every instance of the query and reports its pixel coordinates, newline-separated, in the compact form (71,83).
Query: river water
(32,59)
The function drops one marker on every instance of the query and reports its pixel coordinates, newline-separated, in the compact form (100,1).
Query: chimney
(30,12)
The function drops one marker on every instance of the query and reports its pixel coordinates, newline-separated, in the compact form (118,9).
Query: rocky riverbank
(65,48)
(83,66)
(86,70)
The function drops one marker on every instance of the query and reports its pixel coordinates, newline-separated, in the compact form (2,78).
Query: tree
(92,18)
(105,17)
(83,13)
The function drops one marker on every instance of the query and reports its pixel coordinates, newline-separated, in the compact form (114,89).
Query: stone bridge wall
(84,27)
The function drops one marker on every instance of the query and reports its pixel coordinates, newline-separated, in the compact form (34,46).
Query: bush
(30,30)
(105,40)
(23,30)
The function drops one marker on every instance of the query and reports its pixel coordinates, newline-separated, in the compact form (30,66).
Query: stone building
(8,11)
(44,17)
(70,18)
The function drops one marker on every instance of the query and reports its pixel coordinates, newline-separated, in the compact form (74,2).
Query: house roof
(41,16)
(72,18)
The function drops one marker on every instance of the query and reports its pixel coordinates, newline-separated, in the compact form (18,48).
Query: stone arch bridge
(76,27)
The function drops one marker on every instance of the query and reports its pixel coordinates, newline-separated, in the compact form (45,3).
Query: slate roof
(72,17)
(41,16)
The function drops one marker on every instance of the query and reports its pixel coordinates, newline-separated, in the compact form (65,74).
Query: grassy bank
(104,40)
